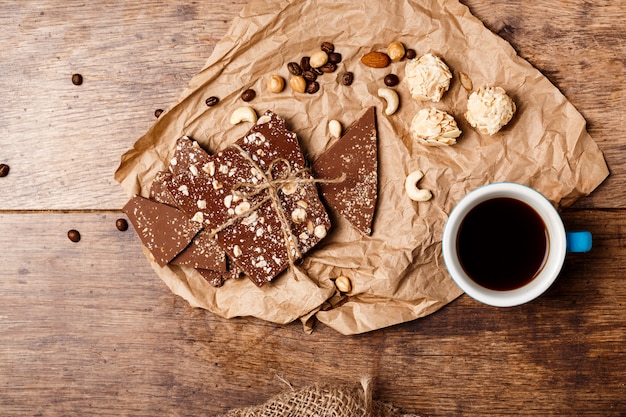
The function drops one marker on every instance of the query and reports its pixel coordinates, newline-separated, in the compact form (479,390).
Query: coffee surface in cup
(502,244)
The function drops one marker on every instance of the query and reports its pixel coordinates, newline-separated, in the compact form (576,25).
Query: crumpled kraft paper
(398,273)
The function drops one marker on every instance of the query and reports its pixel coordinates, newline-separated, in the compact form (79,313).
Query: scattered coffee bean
(305,63)
(410,54)
(317,71)
(212,101)
(327,47)
(121,224)
(391,80)
(346,78)
(73,235)
(77,79)
(248,95)
(309,75)
(294,68)
(334,57)
(4,170)
(158,112)
(312,87)
(328,67)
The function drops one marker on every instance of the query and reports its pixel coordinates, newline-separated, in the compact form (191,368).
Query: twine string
(286,177)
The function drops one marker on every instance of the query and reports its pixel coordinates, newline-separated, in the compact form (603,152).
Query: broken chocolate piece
(159,191)
(188,157)
(355,154)
(203,252)
(163,229)
(218,278)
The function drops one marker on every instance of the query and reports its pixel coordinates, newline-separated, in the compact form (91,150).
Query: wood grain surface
(87,328)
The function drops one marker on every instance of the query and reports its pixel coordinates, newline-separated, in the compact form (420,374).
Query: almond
(376,59)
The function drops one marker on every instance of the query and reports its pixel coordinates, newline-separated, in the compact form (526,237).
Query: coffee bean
(294,68)
(328,67)
(212,101)
(346,78)
(121,224)
(317,71)
(4,170)
(77,79)
(327,47)
(312,87)
(334,57)
(248,95)
(305,63)
(391,80)
(410,54)
(158,112)
(73,235)
(309,75)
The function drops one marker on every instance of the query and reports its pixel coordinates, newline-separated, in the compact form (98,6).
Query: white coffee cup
(558,244)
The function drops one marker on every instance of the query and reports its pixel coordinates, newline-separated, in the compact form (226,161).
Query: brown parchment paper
(398,273)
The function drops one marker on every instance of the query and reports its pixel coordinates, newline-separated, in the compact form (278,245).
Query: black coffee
(502,244)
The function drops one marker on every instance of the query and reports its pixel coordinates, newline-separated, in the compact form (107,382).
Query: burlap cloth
(337,400)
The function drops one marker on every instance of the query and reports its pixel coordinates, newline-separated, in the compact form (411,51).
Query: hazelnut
(396,51)
(275,84)
(298,84)
(298,215)
(343,284)
(318,59)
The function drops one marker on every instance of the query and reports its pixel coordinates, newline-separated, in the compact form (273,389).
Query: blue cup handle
(578,241)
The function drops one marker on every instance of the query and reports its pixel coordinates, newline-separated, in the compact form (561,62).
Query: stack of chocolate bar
(254,207)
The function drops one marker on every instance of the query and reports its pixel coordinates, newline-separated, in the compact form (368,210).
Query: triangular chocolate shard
(355,154)
(163,229)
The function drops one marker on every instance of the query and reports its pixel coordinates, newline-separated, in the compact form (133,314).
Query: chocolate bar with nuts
(257,198)
(355,154)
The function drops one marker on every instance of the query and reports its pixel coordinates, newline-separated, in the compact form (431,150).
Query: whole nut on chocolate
(346,78)
(212,101)
(248,95)
(4,170)
(73,235)
(312,87)
(294,68)
(391,80)
(327,47)
(334,57)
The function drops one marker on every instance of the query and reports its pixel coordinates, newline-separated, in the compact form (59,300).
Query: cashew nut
(243,114)
(392,99)
(334,127)
(414,193)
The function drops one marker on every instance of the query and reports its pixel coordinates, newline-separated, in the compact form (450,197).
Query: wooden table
(87,328)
